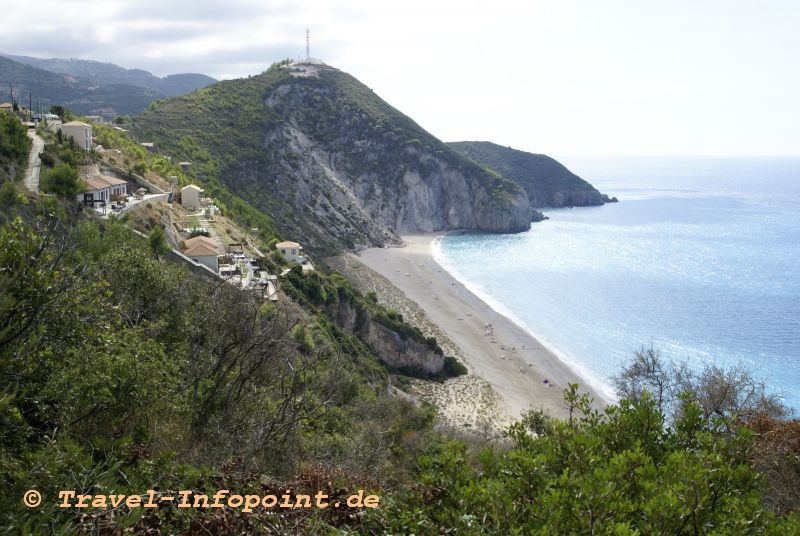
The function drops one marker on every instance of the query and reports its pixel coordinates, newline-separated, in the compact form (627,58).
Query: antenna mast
(308,44)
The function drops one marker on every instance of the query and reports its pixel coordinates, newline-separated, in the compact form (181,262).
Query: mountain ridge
(50,88)
(83,95)
(110,73)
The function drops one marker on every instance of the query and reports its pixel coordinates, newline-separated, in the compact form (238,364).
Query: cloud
(575,77)
(162,36)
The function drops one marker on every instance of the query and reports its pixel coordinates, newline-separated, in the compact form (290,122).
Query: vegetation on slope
(14,147)
(136,159)
(547,182)
(122,373)
(275,139)
(623,472)
(327,292)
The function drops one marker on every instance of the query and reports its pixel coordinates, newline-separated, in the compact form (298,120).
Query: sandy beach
(524,373)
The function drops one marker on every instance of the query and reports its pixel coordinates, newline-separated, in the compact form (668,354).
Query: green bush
(453,367)
(62,180)
(618,473)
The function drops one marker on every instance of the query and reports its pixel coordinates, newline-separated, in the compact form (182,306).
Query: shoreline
(524,372)
(601,389)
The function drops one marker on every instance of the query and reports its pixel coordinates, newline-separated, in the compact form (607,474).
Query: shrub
(61,180)
(453,367)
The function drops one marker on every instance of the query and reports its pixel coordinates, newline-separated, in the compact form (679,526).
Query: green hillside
(14,147)
(328,159)
(547,182)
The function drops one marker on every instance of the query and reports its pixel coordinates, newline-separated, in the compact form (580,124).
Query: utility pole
(308,44)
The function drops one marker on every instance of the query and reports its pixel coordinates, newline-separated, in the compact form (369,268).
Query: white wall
(81,134)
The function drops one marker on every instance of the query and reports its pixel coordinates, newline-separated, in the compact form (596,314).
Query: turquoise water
(701,259)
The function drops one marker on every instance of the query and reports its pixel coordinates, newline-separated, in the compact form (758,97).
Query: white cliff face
(421,194)
(397,352)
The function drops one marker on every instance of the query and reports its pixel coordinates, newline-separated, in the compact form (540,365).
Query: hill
(334,164)
(81,96)
(547,182)
(109,73)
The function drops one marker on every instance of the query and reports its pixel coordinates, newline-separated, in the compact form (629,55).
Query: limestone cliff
(330,161)
(399,352)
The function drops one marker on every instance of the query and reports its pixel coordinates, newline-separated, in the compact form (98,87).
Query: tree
(58,110)
(62,180)
(9,196)
(620,473)
(158,241)
(13,138)
(777,455)
(720,393)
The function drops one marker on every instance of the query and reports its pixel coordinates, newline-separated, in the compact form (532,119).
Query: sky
(561,77)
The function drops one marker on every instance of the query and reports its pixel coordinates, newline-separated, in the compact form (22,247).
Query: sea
(700,259)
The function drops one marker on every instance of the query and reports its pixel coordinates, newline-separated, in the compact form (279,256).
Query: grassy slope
(134,155)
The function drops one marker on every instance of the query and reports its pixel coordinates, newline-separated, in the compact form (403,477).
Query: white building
(202,250)
(80,132)
(100,191)
(190,197)
(291,251)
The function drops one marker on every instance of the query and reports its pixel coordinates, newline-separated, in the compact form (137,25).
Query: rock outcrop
(399,352)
